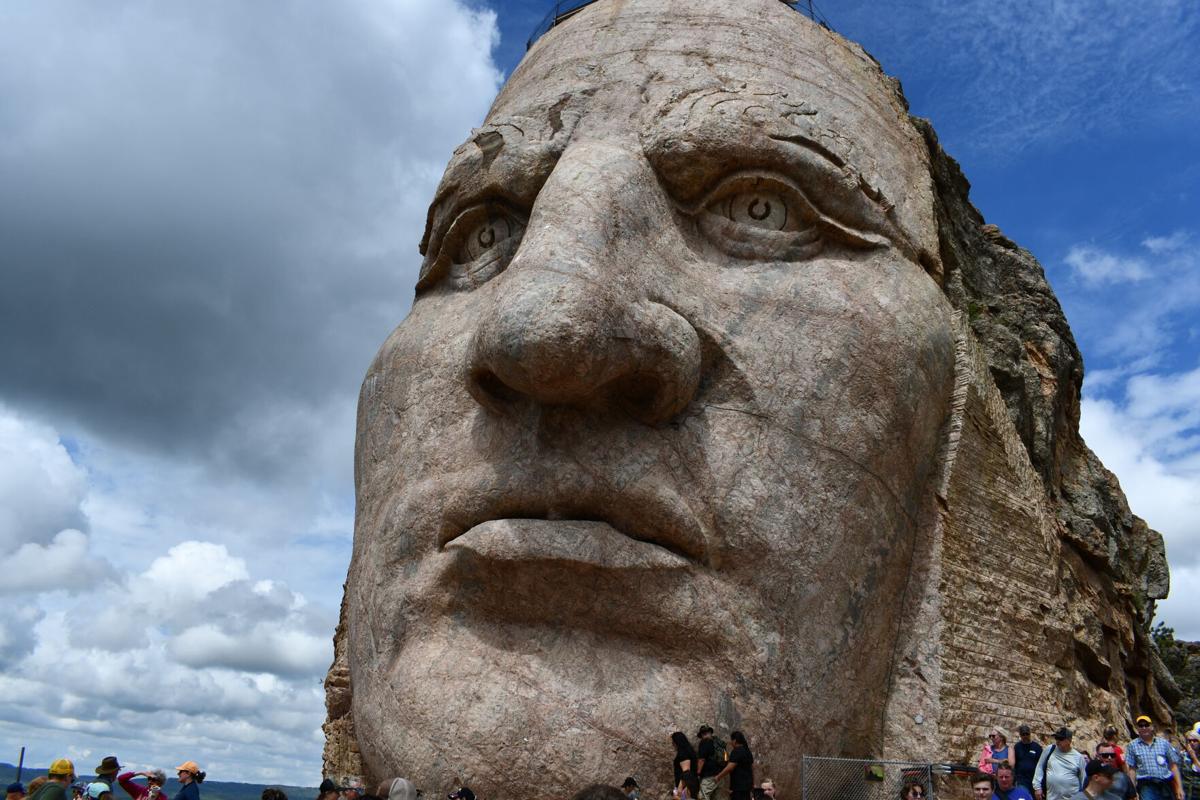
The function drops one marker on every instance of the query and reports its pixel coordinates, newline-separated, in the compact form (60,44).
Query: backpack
(720,750)
(1044,763)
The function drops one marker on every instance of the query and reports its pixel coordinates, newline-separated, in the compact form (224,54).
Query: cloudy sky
(208,222)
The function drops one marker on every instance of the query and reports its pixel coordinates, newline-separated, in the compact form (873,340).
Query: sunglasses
(1106,755)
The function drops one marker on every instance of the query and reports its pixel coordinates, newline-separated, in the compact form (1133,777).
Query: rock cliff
(1047,628)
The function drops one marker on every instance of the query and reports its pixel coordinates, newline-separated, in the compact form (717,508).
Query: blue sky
(208,223)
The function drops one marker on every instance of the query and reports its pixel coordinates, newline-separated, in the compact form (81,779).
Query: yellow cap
(1144,717)
(62,766)
(188,766)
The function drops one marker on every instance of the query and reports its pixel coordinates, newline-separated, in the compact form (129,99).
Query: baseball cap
(630,783)
(62,766)
(1063,733)
(15,787)
(98,789)
(328,785)
(1144,718)
(188,766)
(1098,767)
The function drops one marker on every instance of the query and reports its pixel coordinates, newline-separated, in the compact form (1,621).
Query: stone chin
(656,443)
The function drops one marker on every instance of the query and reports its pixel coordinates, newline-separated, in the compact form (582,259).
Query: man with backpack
(710,758)
(1061,770)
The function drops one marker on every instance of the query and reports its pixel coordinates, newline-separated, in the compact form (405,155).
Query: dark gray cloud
(207,211)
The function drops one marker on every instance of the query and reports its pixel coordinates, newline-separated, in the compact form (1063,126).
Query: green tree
(1182,660)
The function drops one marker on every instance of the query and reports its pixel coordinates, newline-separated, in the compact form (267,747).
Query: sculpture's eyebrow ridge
(812,146)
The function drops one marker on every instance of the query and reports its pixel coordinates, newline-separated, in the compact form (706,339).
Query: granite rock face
(1112,566)
(1036,365)
(718,402)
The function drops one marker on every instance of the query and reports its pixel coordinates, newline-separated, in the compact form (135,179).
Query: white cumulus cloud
(1149,436)
(1132,307)
(65,563)
(1136,311)
(263,648)
(41,496)
(1097,267)
(41,488)
(1166,244)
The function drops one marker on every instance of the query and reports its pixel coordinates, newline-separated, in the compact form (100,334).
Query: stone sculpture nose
(571,321)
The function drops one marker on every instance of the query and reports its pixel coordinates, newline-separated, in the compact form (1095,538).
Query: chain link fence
(827,778)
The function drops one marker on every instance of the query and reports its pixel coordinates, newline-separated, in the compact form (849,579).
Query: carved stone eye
(759,216)
(487,233)
(759,209)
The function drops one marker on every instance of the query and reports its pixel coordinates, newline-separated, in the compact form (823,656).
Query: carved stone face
(654,445)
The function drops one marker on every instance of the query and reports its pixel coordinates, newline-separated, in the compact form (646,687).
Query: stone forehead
(652,68)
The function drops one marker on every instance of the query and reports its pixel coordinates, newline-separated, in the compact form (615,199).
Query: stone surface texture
(719,402)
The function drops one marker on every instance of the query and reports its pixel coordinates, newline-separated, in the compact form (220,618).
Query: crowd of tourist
(59,783)
(699,771)
(1147,768)
(711,769)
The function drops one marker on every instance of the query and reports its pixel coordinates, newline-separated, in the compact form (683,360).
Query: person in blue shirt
(190,776)
(1153,764)
(1007,787)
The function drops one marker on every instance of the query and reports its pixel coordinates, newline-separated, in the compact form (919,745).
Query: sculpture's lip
(575,576)
(652,519)
(586,543)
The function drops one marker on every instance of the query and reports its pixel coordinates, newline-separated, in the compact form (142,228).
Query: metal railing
(565,9)
(558,12)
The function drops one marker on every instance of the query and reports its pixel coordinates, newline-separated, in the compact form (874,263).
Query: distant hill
(209,790)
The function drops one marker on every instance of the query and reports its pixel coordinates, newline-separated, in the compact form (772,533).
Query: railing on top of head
(565,9)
